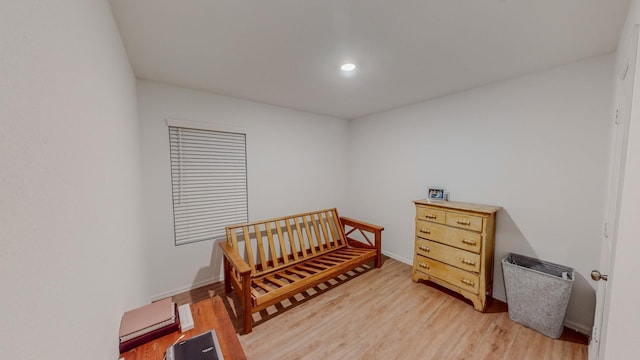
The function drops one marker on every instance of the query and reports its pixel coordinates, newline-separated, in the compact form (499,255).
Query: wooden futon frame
(268,261)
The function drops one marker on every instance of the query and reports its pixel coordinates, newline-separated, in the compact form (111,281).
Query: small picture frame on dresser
(435,194)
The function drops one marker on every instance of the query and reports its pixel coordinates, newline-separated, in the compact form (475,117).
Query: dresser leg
(417,276)
(479,304)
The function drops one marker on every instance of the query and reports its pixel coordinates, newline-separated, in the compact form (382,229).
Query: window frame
(182,225)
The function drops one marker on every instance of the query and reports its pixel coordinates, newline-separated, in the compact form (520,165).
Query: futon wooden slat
(299,273)
(283,247)
(276,281)
(263,257)
(287,276)
(292,242)
(249,249)
(301,239)
(272,248)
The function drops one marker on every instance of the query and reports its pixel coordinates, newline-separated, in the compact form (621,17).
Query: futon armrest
(361,225)
(364,228)
(234,259)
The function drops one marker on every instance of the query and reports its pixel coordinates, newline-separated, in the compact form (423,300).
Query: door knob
(595,275)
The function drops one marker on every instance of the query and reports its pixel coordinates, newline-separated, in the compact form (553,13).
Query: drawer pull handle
(469,242)
(463,222)
(431,216)
(424,248)
(468,262)
(424,266)
(467,282)
(425,231)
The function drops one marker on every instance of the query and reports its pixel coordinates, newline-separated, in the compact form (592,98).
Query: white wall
(296,163)
(621,341)
(535,145)
(70,181)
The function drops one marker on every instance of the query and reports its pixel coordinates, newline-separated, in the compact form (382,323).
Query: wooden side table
(207,314)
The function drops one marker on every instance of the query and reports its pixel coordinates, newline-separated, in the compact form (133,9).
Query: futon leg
(246,302)
(227,276)
(378,235)
(248,320)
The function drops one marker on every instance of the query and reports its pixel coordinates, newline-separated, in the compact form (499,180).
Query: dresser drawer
(449,255)
(463,239)
(452,275)
(429,214)
(463,221)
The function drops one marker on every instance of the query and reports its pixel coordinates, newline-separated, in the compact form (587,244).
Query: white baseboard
(499,296)
(398,257)
(581,328)
(182,289)
(175,291)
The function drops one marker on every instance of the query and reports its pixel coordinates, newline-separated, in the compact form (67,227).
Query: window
(209,182)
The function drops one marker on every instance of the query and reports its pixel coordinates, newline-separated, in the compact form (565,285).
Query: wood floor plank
(382,314)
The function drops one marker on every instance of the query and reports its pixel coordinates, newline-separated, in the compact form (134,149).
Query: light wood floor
(382,314)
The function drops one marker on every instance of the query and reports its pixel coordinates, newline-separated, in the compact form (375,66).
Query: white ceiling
(288,52)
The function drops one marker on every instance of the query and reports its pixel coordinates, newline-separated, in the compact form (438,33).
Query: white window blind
(209,181)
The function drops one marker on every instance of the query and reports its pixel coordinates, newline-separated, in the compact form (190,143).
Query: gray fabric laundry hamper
(537,293)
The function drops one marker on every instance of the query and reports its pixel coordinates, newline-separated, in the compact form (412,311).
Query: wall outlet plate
(186,319)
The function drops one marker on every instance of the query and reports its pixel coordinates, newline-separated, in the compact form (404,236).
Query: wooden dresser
(454,247)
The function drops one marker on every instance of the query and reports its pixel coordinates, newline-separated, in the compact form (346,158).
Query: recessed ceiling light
(348,67)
